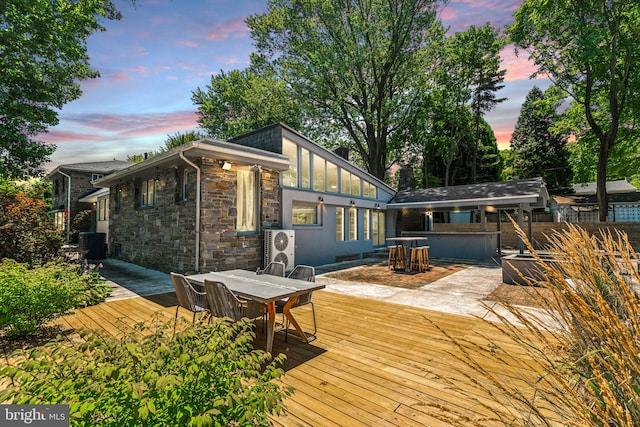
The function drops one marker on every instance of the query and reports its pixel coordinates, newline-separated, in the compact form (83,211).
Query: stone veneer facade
(80,186)
(163,237)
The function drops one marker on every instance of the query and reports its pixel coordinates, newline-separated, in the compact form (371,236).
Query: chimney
(342,152)
(406,180)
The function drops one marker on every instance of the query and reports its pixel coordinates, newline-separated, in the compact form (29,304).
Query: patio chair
(300,272)
(188,298)
(274,268)
(223,303)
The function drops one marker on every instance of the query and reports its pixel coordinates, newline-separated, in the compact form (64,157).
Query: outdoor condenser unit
(279,245)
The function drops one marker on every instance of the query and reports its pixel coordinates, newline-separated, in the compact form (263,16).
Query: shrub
(205,375)
(27,232)
(583,348)
(30,297)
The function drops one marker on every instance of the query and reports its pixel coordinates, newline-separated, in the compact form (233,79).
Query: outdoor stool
(419,259)
(397,257)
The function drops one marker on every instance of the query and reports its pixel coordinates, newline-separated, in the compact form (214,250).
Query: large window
(290,177)
(353,224)
(304,213)
(366,224)
(318,173)
(378,228)
(305,168)
(148,193)
(339,224)
(355,185)
(332,178)
(247,201)
(345,182)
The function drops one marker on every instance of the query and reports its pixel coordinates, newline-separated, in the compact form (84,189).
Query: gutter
(198,196)
(68,204)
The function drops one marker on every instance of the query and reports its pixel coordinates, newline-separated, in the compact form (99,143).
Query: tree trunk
(601,183)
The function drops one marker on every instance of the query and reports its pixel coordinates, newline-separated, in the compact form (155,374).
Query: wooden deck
(373,363)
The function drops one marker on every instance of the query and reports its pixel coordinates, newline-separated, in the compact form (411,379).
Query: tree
(360,64)
(240,101)
(590,50)
(43,57)
(177,139)
(539,151)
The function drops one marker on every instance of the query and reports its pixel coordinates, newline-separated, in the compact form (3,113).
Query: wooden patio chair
(300,272)
(223,303)
(188,298)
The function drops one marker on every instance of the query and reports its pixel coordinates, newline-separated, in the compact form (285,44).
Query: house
(582,206)
(208,204)
(71,184)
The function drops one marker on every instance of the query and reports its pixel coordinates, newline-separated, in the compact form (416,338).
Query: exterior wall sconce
(226,166)
(352,203)
(377,206)
(320,199)
(157,174)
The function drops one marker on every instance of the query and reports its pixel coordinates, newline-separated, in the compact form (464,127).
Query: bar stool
(419,259)
(397,257)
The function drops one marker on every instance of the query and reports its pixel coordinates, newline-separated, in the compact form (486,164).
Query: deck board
(373,363)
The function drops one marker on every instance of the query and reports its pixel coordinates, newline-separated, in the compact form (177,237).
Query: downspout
(68,204)
(190,163)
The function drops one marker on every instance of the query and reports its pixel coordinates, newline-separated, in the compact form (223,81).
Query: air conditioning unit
(280,245)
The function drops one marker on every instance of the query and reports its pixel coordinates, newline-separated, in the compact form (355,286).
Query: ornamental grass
(582,348)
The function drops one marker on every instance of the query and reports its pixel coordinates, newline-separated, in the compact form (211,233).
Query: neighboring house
(582,206)
(71,183)
(207,204)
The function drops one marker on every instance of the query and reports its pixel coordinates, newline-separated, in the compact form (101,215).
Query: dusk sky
(161,50)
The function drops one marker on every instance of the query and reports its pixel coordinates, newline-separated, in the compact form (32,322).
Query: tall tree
(240,101)
(590,49)
(539,151)
(360,64)
(43,58)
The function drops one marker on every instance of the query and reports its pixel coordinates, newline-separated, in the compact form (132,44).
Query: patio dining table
(266,289)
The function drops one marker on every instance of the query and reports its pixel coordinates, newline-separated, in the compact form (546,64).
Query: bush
(205,375)
(27,232)
(583,348)
(30,297)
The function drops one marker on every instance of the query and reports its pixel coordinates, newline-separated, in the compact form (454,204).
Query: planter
(527,265)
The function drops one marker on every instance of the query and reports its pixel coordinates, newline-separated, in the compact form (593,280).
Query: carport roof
(523,193)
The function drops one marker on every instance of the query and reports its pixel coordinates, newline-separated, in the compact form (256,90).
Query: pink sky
(162,50)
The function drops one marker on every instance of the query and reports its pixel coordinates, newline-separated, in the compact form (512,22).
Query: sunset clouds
(162,50)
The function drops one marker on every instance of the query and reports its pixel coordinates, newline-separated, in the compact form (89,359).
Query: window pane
(290,177)
(318,173)
(247,203)
(185,181)
(305,168)
(353,224)
(378,228)
(355,185)
(345,177)
(332,177)
(372,191)
(339,224)
(304,214)
(152,190)
(365,224)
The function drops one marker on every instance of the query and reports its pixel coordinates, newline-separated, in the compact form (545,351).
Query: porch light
(226,166)
(320,199)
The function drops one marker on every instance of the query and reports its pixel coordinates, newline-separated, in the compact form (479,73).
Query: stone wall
(163,237)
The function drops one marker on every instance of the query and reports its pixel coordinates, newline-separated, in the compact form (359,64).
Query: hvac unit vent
(279,245)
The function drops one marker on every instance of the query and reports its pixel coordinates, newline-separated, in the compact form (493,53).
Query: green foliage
(30,297)
(27,232)
(43,58)
(590,50)
(238,102)
(539,150)
(207,375)
(362,65)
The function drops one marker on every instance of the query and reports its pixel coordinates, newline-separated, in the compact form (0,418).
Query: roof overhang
(204,148)
(93,197)
(507,202)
